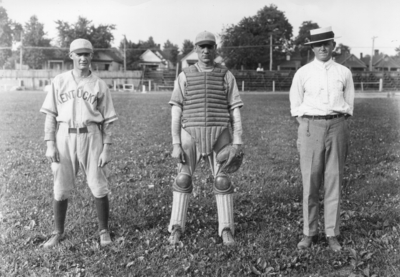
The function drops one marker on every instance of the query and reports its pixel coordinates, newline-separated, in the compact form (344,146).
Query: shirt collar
(323,65)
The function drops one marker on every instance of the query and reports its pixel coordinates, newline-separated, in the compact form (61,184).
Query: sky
(355,22)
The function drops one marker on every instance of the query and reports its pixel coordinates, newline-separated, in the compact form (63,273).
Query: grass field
(267,202)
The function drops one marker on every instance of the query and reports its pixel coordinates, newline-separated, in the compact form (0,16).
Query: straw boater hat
(321,34)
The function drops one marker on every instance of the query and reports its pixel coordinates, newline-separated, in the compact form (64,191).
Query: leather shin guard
(180,205)
(225,212)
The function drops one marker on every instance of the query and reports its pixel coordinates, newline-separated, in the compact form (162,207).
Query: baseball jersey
(79,104)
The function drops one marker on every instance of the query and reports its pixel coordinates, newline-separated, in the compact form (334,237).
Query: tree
(171,51)
(100,36)
(34,35)
(135,50)
(303,37)
(6,37)
(187,47)
(248,42)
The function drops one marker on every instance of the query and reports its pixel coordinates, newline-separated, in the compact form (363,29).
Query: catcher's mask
(223,156)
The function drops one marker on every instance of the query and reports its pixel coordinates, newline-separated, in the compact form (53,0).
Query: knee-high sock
(103,210)
(60,212)
(225,212)
(180,205)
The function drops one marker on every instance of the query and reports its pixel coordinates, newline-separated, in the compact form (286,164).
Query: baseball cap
(81,45)
(205,38)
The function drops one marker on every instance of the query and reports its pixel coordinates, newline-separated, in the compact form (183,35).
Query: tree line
(243,45)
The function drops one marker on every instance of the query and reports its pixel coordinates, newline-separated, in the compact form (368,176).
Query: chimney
(288,57)
(376,52)
(361,56)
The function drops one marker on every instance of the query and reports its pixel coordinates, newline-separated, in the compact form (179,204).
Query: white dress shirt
(322,88)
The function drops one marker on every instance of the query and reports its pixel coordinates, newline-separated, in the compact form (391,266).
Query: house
(350,61)
(103,60)
(293,62)
(191,58)
(155,60)
(382,62)
(386,63)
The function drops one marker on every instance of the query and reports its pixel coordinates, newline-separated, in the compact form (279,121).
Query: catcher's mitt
(230,153)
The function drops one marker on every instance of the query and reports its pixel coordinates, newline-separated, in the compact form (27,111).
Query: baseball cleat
(176,234)
(54,240)
(105,238)
(227,237)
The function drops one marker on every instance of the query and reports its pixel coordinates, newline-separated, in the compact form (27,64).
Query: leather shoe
(105,238)
(334,244)
(227,237)
(306,242)
(54,240)
(176,234)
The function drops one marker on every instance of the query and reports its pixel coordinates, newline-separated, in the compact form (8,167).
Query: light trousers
(323,147)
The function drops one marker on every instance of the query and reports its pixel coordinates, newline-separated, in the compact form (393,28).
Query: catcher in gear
(205,103)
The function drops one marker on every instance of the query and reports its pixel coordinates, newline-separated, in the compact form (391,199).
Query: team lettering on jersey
(66,96)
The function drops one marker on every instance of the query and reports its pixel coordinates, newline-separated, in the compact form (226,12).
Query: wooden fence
(38,79)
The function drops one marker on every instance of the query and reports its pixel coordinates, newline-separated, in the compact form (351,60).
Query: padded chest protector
(205,107)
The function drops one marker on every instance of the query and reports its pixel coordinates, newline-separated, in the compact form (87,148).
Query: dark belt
(325,117)
(77,130)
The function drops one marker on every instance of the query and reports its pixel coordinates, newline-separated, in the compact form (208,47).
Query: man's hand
(178,154)
(234,150)
(52,153)
(105,156)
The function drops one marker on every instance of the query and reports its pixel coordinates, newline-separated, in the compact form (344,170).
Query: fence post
(149,85)
(362,86)
(242,86)
(144,89)
(273,86)
(380,84)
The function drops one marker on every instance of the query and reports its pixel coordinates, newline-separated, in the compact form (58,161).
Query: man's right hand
(52,153)
(178,154)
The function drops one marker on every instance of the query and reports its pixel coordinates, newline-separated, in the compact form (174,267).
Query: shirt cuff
(107,139)
(237,139)
(50,136)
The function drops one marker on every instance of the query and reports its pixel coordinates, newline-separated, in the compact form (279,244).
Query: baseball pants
(79,150)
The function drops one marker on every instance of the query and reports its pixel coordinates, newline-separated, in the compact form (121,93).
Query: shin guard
(225,212)
(180,205)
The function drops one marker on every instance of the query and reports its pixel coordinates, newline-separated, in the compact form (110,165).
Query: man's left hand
(235,149)
(105,156)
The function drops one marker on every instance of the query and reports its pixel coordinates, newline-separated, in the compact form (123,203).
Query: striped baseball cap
(81,45)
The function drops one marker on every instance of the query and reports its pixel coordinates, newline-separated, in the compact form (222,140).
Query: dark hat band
(323,36)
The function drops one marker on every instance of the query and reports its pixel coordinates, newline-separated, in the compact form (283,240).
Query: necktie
(325,97)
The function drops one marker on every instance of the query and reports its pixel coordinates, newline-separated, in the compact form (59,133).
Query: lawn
(268,210)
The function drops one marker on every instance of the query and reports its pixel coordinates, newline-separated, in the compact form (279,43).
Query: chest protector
(205,106)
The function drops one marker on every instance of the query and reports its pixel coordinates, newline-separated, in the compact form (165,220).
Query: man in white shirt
(321,99)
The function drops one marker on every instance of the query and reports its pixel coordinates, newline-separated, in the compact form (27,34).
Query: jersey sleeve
(105,105)
(49,106)
(234,100)
(179,89)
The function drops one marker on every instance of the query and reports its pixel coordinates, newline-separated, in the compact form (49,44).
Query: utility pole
(270,52)
(124,53)
(372,53)
(21,50)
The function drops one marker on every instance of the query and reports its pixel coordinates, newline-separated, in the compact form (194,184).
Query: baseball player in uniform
(79,115)
(205,105)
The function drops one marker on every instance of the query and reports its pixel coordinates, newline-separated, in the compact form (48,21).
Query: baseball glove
(230,159)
